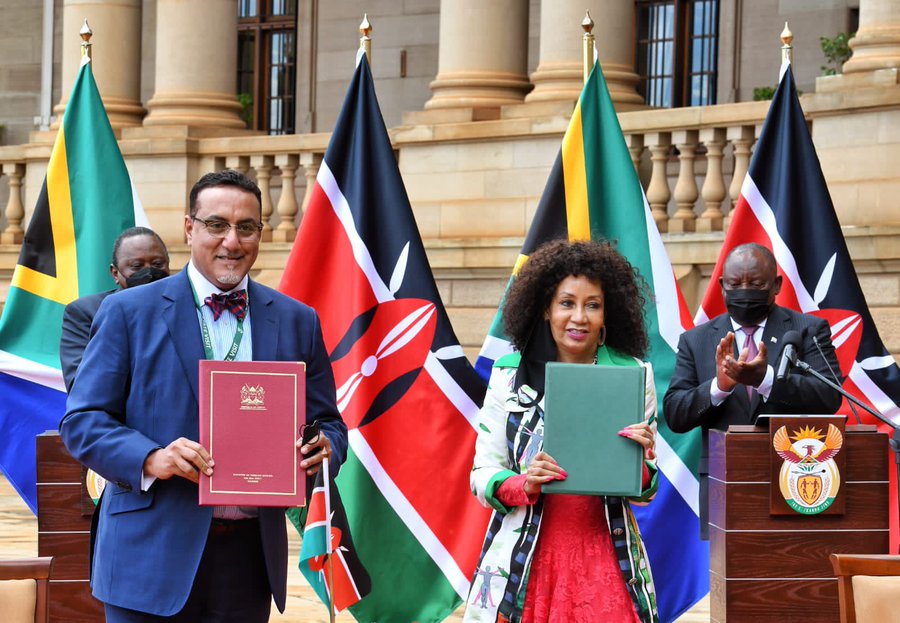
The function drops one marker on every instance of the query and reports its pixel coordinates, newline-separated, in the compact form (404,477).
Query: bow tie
(235,302)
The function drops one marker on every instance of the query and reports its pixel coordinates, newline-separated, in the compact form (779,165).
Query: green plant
(763,93)
(246,102)
(837,51)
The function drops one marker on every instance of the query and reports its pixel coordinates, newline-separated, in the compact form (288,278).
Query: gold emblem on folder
(253,398)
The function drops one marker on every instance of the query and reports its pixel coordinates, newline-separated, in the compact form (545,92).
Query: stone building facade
(477,95)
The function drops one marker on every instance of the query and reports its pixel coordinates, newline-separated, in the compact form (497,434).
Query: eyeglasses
(220,229)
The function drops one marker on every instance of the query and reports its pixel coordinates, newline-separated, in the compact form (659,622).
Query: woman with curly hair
(561,558)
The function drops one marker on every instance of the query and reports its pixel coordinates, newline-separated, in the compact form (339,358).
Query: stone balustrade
(692,161)
(281,165)
(12,210)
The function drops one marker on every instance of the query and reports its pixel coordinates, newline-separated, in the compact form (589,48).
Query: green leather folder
(585,406)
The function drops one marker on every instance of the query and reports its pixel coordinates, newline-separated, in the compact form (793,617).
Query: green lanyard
(207,340)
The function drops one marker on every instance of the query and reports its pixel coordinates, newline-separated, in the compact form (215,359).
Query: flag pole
(588,42)
(86,34)
(328,548)
(787,50)
(365,41)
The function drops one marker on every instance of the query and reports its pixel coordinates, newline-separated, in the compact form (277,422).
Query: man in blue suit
(133,417)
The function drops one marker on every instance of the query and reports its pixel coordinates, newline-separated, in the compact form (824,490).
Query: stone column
(877,42)
(614,32)
(116,56)
(196,64)
(482,55)
(559,72)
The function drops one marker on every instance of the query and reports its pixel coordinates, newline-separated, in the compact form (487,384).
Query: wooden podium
(767,567)
(64,524)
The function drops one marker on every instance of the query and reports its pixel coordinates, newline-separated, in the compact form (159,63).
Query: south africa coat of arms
(809,478)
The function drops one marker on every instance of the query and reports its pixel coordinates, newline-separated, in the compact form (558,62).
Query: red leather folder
(251,415)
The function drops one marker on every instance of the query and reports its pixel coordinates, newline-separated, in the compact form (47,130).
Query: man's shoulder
(798,319)
(89,303)
(710,326)
(143,297)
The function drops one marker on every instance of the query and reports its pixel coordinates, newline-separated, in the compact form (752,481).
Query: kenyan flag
(404,386)
(328,557)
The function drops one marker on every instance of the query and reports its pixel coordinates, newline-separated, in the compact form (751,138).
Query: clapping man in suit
(139,256)
(133,417)
(724,368)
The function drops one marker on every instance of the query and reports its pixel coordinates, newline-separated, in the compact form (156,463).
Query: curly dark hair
(624,292)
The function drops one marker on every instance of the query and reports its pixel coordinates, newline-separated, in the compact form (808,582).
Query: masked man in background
(724,370)
(139,256)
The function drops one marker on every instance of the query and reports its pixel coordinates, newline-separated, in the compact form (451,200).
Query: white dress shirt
(221,333)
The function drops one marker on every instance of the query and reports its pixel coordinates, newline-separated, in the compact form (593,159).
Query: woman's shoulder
(614,356)
(511,360)
(503,372)
(503,375)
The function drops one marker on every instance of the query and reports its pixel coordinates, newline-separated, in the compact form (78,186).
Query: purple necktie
(752,352)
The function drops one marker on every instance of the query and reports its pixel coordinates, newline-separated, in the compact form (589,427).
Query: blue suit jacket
(137,391)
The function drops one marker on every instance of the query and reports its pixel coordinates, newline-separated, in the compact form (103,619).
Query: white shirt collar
(204,288)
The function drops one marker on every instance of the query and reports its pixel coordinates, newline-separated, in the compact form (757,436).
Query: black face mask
(146,275)
(747,306)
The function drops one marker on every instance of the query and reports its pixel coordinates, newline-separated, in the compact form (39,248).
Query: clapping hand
(731,371)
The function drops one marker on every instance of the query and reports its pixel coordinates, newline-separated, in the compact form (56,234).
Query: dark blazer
(76,332)
(137,391)
(687,403)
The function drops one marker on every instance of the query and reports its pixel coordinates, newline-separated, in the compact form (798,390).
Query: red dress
(575,573)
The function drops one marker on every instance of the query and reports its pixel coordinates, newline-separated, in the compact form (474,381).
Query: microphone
(792,340)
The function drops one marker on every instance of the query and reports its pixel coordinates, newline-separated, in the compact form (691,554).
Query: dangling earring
(602,336)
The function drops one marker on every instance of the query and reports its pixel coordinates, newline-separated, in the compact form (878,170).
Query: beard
(231,278)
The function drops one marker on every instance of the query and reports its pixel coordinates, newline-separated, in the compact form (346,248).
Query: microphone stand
(895,437)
